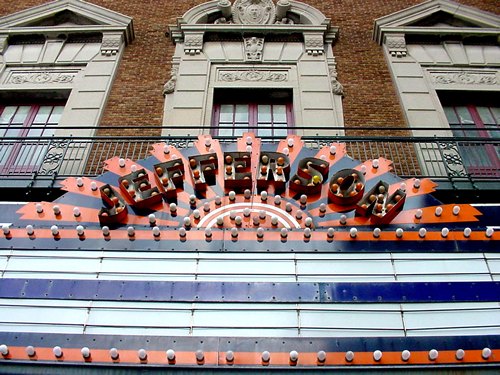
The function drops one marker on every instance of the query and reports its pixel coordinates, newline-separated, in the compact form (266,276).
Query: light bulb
(6,229)
(29,229)
(30,351)
(308,222)
(445,232)
(57,351)
(113,353)
(260,232)
(182,232)
(405,355)
(284,232)
(208,142)
(79,182)
(288,207)
(274,220)
(234,232)
(489,232)
(152,218)
(220,220)
(377,355)
(422,232)
(156,231)
(166,149)
(199,355)
(57,210)
(229,356)
(206,206)
(208,232)
(321,355)
(263,195)
(266,356)
(218,200)
(375,163)
(486,353)
(232,195)
(363,169)
(55,230)
(4,349)
(330,232)
(343,219)
(85,352)
(433,354)
(353,232)
(93,186)
(333,150)
(322,208)
(438,211)
(173,207)
(170,354)
(39,208)
(349,356)
(376,232)
(303,199)
(460,354)
(80,230)
(246,212)
(142,354)
(399,232)
(249,141)
(456,210)
(286,151)
(247,193)
(290,142)
(105,231)
(121,162)
(277,199)
(294,356)
(418,214)
(76,212)
(307,232)
(416,183)
(238,220)
(131,231)
(187,222)
(196,214)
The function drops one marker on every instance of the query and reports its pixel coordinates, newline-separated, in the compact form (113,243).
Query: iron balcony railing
(449,159)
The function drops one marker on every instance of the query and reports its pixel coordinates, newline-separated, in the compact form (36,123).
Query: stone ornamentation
(337,87)
(111,44)
(3,43)
(253,76)
(314,44)
(254,12)
(169,86)
(19,78)
(396,44)
(464,78)
(193,43)
(253,49)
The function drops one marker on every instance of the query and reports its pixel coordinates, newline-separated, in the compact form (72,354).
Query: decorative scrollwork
(53,157)
(452,160)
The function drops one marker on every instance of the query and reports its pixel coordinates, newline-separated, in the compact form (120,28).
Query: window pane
(451,115)
(486,116)
(241,113)
(7,114)
(56,114)
(263,132)
(239,129)
(226,113)
(42,115)
(264,113)
(21,115)
(279,113)
(464,116)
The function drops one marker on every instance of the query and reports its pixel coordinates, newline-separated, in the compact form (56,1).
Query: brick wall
(136,97)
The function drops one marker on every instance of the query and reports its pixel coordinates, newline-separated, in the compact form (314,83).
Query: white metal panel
(241,267)
(148,266)
(438,266)
(227,318)
(53,265)
(345,267)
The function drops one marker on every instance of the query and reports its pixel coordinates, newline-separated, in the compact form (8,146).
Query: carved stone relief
(254,12)
(314,44)
(464,78)
(3,43)
(337,87)
(253,49)
(193,43)
(111,44)
(252,76)
(169,86)
(40,77)
(396,44)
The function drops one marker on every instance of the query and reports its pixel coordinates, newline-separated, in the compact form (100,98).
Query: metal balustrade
(447,159)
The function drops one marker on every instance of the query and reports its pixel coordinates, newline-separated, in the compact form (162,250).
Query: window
(22,128)
(267,114)
(477,121)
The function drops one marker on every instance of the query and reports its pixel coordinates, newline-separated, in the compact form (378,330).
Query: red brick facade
(136,98)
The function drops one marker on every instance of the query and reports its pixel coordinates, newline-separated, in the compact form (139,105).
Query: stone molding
(252,75)
(314,44)
(464,78)
(193,43)
(3,43)
(40,77)
(396,44)
(111,43)
(254,12)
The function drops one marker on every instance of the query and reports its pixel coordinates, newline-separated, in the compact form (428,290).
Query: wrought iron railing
(445,158)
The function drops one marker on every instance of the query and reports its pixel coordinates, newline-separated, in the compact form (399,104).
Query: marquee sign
(315,199)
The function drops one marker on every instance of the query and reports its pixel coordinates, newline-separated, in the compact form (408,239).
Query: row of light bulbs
(353,232)
(142,354)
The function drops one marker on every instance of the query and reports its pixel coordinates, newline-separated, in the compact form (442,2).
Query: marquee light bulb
(199,355)
(286,151)
(375,163)
(170,354)
(238,220)
(486,353)
(467,232)
(93,186)
(274,220)
(131,231)
(343,219)
(405,355)
(256,221)
(113,353)
(229,356)
(399,232)
(208,232)
(376,232)
(246,212)
(418,214)
(182,232)
(105,231)
(277,200)
(288,207)
(57,210)
(303,199)
(322,208)
(438,211)
(234,232)
(166,149)
(152,218)
(142,354)
(433,354)
(402,186)
(308,222)
(249,149)
(121,162)
(79,182)
(416,183)
(422,232)
(323,157)
(377,355)
(460,354)
(260,232)
(333,150)
(173,207)
(30,351)
(39,208)
(55,230)
(294,356)
(187,222)
(321,356)
(29,229)
(456,210)
(489,232)
(232,195)
(307,232)
(349,356)
(363,169)
(330,232)
(208,142)
(85,352)
(6,229)
(156,231)
(196,214)
(80,230)
(249,140)
(4,349)
(220,220)
(263,196)
(353,232)
(445,232)
(76,212)
(298,214)
(206,206)
(192,199)
(265,356)
(133,168)
(57,351)
(284,232)
(247,193)
(290,142)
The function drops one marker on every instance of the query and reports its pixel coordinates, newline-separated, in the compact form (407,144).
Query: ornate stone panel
(314,43)
(253,75)
(396,44)
(193,43)
(254,12)
(111,43)
(464,78)
(39,77)
(253,49)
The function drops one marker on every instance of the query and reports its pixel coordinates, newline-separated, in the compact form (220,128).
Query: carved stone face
(255,13)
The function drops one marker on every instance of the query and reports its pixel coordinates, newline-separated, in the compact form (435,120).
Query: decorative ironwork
(54,157)
(452,160)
